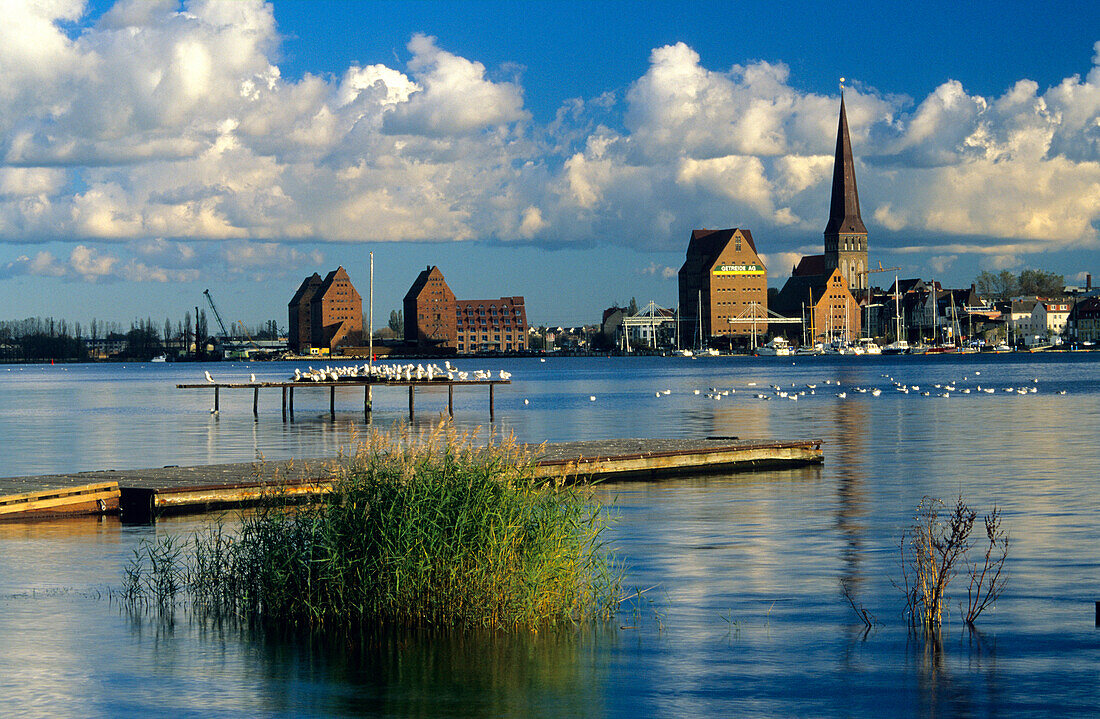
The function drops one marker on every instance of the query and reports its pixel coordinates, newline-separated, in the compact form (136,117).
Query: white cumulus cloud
(164,123)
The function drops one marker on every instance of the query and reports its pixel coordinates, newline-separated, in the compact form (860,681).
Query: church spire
(844,207)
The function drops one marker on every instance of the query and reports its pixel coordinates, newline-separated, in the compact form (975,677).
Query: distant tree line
(1029,283)
(40,339)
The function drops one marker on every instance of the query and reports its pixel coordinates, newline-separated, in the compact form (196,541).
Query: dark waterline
(746,618)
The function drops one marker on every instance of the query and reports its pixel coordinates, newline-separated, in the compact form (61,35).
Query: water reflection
(400,672)
(765,550)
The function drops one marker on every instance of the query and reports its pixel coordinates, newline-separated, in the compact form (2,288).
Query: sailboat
(681,351)
(899,346)
(938,345)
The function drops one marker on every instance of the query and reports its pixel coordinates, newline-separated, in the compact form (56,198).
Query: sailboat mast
(699,332)
(897,311)
(935,311)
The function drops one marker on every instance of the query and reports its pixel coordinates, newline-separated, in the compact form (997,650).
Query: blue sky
(562,151)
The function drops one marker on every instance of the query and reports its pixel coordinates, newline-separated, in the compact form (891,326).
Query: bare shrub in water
(433,532)
(931,551)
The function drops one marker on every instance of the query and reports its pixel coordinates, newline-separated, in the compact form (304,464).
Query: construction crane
(250,340)
(867,289)
(217,316)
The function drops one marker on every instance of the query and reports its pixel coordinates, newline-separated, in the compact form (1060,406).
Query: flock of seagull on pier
(397,373)
(795,391)
(390,373)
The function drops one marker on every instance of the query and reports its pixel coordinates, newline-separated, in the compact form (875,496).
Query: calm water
(746,616)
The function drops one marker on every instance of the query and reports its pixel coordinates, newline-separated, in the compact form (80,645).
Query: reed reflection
(399,671)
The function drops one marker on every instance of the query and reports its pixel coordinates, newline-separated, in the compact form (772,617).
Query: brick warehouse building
(724,277)
(325,314)
(434,319)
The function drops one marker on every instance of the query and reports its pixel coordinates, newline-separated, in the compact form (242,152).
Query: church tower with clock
(845,233)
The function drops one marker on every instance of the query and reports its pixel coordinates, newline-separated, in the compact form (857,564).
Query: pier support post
(368,402)
(412,402)
(284,404)
(217,407)
(255,401)
(491,401)
(332,402)
(291,404)
(451,400)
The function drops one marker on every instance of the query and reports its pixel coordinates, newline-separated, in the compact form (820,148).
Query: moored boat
(777,347)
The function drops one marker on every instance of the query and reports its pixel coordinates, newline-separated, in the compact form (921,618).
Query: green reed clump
(433,532)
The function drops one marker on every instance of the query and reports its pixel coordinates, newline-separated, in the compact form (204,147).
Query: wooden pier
(142,495)
(368,386)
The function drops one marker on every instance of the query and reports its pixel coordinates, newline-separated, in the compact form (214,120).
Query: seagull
(252,378)
(591,398)
(208,377)
(526,401)
(842,395)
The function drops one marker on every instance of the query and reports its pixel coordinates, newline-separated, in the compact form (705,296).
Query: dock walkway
(368,386)
(144,493)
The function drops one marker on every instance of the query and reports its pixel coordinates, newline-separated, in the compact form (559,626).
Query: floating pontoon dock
(144,494)
(367,384)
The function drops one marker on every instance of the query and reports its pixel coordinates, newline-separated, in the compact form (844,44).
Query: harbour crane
(217,315)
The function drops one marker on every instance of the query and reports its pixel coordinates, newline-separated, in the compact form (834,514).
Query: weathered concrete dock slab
(148,492)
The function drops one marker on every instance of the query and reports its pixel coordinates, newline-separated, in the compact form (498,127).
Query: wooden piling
(287,389)
(1098,614)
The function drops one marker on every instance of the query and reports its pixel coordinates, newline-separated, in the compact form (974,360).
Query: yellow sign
(739,270)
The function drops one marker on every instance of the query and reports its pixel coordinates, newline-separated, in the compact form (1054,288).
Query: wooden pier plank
(183,489)
(85,499)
